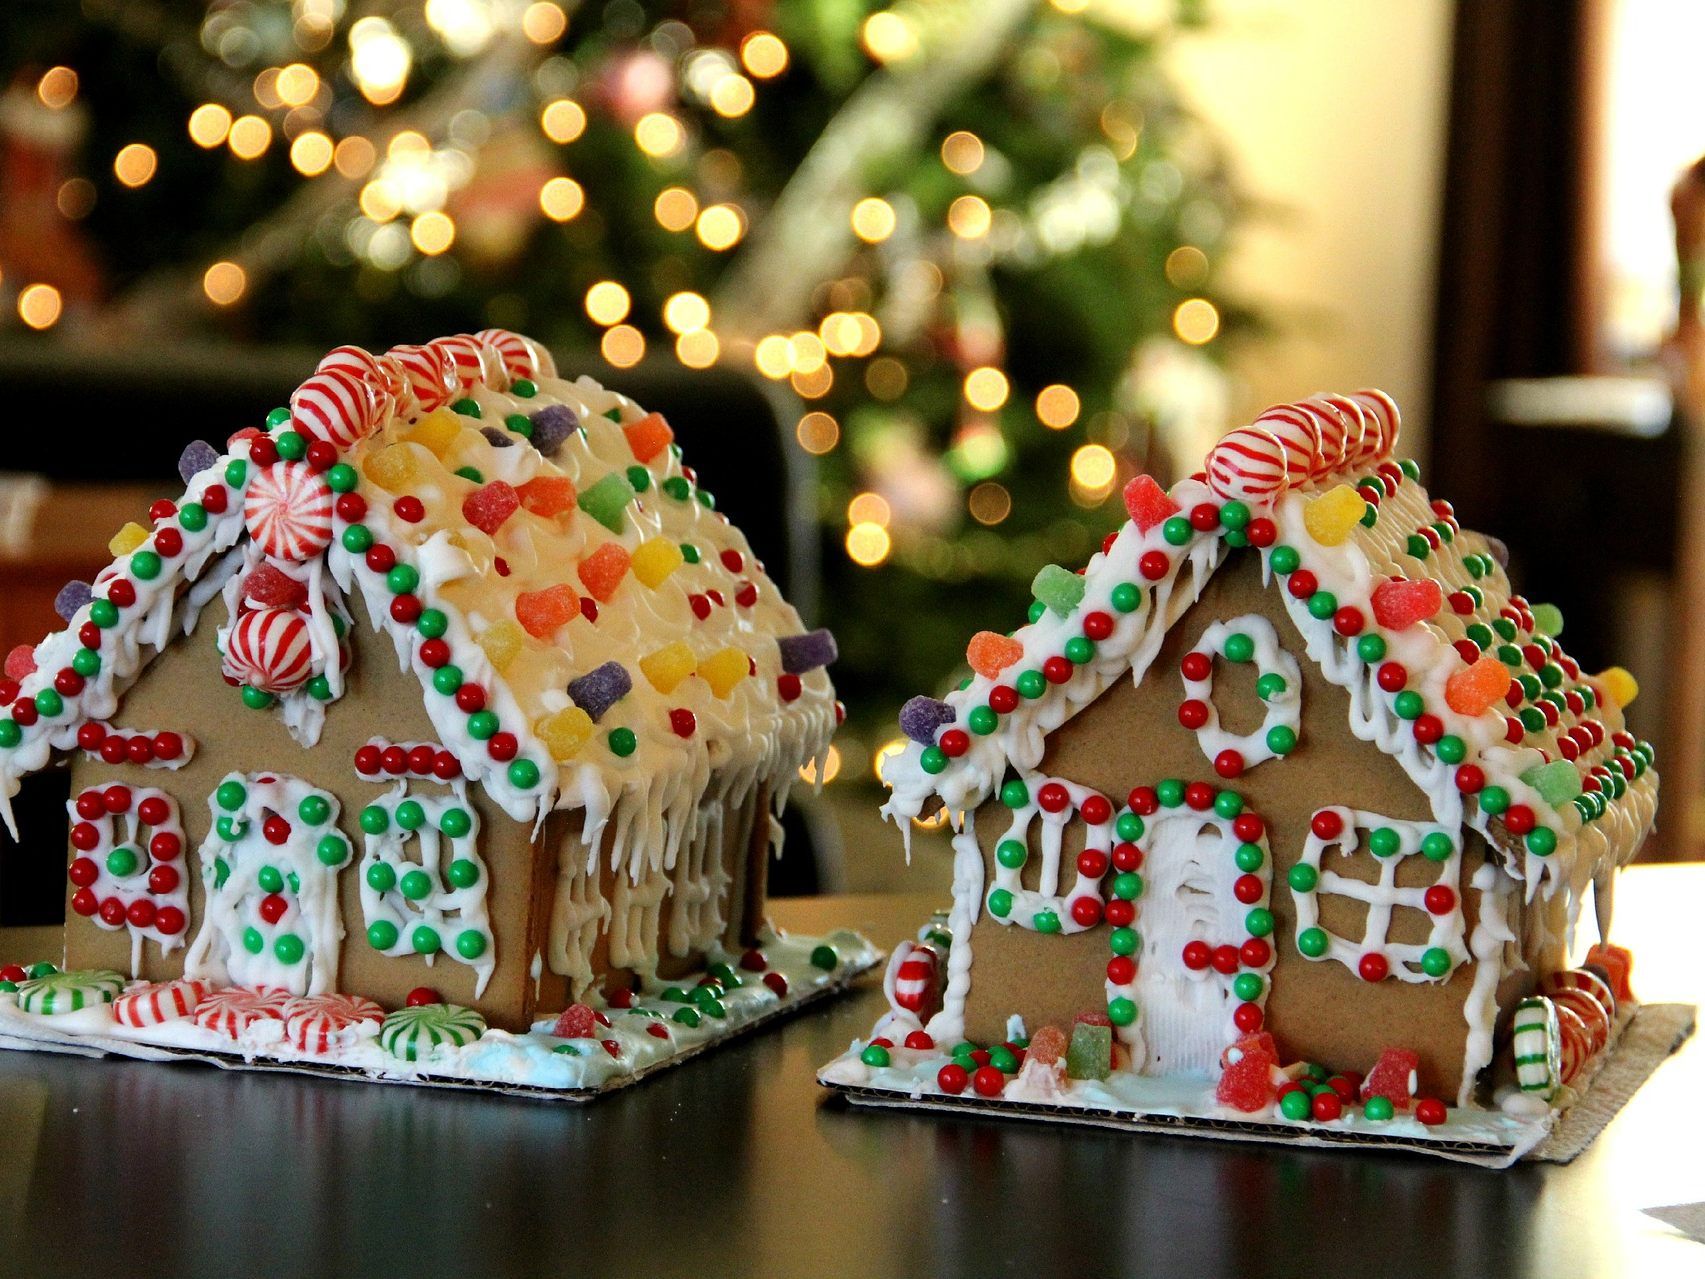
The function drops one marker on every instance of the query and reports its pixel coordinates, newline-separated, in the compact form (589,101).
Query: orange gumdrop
(990,654)
(1473,689)
(649,436)
(603,570)
(541,612)
(1047,1045)
(547,494)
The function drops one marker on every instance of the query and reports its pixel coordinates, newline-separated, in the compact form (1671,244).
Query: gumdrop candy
(268,586)
(656,558)
(197,456)
(1557,782)
(502,643)
(564,732)
(1548,619)
(436,432)
(1399,602)
(1047,1046)
(990,653)
(668,666)
(1498,550)
(486,508)
(807,652)
(1330,517)
(20,662)
(649,436)
(607,501)
(1090,1053)
(541,612)
(496,438)
(602,571)
(724,669)
(72,596)
(393,468)
(1059,588)
(577,1021)
(1618,685)
(1395,1076)
(1246,1079)
(548,494)
(1618,963)
(1474,689)
(551,426)
(922,717)
(1148,503)
(127,539)
(601,688)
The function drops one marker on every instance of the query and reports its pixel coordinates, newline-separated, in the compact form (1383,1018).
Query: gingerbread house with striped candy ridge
(441,726)
(1286,776)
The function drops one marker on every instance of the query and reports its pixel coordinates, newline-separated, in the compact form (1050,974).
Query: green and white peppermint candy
(413,1033)
(69,992)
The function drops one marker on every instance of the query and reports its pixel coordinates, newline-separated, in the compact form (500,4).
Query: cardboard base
(480,1065)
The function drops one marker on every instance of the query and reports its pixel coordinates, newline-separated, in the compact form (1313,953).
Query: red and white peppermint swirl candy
(1297,430)
(1355,427)
(472,362)
(1384,423)
(915,979)
(339,406)
(233,1009)
(375,370)
(1248,464)
(431,380)
(269,649)
(1587,1006)
(521,356)
(1334,429)
(288,508)
(313,1023)
(1575,1041)
(155,1003)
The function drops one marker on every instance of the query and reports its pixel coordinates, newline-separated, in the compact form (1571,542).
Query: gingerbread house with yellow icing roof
(448,689)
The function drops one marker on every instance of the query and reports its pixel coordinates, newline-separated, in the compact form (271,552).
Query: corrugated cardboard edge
(44,1039)
(1655,1032)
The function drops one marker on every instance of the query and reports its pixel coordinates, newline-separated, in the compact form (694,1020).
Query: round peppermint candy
(427,370)
(68,992)
(521,356)
(269,649)
(415,1033)
(232,1010)
(288,509)
(339,405)
(1249,465)
(1297,430)
(1384,423)
(375,370)
(317,1023)
(471,362)
(157,1002)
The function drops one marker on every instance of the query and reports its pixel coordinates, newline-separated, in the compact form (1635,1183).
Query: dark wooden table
(738,1164)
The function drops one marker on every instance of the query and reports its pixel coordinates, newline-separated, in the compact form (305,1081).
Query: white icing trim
(138,836)
(1028,905)
(1283,711)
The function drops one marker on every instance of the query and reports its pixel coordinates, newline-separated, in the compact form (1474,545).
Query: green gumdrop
(1547,619)
(1556,782)
(607,501)
(1090,1053)
(1058,588)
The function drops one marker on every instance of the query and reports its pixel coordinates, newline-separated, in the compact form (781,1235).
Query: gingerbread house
(446,701)
(1286,773)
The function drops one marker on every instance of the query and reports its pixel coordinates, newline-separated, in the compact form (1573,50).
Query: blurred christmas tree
(975,236)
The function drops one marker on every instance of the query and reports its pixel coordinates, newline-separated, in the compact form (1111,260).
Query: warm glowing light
(763,54)
(562,199)
(543,22)
(311,154)
(1057,406)
(354,157)
(831,768)
(250,136)
(1093,467)
(968,217)
(608,302)
(721,226)
(378,202)
(563,120)
(809,354)
(962,152)
(989,503)
(208,125)
(818,432)
(684,312)
(135,164)
(296,84)
(465,26)
(986,388)
(224,283)
(39,306)
(408,144)
(869,508)
(57,89)
(676,208)
(773,356)
(432,233)
(873,219)
(888,37)
(1196,321)
(623,346)
(659,134)
(886,378)
(868,544)
(732,96)
(75,198)
(697,348)
(1070,6)
(813,385)
(979,450)
(1186,267)
(840,333)
(379,60)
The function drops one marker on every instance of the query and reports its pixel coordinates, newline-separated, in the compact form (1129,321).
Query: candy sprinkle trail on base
(69,992)
(413,1033)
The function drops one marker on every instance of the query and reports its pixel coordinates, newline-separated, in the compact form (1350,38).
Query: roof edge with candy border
(1397,604)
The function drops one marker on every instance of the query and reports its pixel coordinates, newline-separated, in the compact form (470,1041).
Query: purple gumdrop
(197,456)
(1499,551)
(551,426)
(801,653)
(496,438)
(72,596)
(922,717)
(598,690)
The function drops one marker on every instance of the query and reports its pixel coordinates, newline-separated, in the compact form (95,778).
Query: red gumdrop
(602,571)
(541,612)
(1393,1077)
(648,437)
(548,494)
(1148,503)
(1246,1080)
(268,586)
(20,662)
(575,1022)
(487,507)
(1399,602)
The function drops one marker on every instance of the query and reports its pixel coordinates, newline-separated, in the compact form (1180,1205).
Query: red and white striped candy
(915,980)
(155,1003)
(340,406)
(1581,979)
(1381,409)
(1333,432)
(1248,464)
(1355,428)
(521,356)
(1298,432)
(269,649)
(472,362)
(233,1009)
(1590,1010)
(375,370)
(288,509)
(431,380)
(312,1022)
(1576,1043)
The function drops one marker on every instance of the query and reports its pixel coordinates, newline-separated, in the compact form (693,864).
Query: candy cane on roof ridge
(1290,445)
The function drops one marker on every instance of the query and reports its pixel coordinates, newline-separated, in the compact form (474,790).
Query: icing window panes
(1249,639)
(128,870)
(1042,811)
(1390,844)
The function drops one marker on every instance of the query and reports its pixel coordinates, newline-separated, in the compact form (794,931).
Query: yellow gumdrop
(127,539)
(654,560)
(564,732)
(1618,685)
(668,666)
(724,669)
(1330,517)
(502,641)
(436,431)
(392,468)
